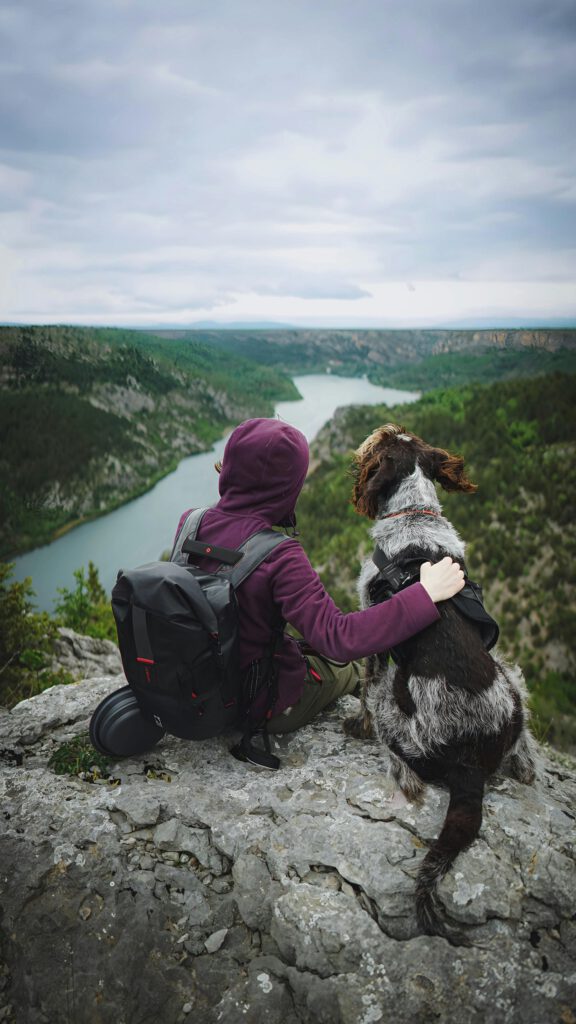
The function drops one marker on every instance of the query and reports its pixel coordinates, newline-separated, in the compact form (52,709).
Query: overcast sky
(326,161)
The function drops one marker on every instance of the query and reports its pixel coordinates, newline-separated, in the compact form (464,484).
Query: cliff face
(194,888)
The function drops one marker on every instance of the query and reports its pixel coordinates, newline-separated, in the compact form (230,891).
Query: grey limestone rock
(85,656)
(194,888)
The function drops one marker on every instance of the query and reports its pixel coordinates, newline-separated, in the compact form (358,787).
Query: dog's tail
(461,826)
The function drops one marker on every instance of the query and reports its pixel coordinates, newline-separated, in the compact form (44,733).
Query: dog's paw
(414,794)
(359,727)
(522,770)
(406,780)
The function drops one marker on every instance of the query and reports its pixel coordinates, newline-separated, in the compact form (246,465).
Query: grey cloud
(308,288)
(146,129)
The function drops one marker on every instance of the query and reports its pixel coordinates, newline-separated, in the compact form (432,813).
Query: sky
(373,163)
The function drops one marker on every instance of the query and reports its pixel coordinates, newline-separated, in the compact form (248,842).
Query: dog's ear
(373,477)
(448,470)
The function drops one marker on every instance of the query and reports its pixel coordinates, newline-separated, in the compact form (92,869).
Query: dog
(449,711)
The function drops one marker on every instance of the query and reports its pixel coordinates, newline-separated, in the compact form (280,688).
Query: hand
(441,580)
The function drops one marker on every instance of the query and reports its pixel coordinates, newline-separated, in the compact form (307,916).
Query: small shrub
(86,608)
(78,756)
(26,639)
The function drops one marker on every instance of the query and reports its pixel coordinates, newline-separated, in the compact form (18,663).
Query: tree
(26,639)
(86,607)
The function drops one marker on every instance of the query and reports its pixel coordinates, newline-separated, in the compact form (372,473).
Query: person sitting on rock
(262,472)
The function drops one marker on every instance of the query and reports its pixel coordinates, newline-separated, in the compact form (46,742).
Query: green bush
(553,705)
(86,608)
(26,641)
(27,636)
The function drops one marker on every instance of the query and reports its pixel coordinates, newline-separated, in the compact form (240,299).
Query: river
(141,530)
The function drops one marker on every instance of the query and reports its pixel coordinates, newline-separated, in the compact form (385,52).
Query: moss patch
(78,757)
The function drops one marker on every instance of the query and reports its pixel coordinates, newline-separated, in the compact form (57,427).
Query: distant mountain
(495,324)
(465,323)
(240,325)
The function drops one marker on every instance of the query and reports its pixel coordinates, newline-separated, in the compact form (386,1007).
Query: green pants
(335,681)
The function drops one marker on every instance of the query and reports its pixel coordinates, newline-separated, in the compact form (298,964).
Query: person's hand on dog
(441,580)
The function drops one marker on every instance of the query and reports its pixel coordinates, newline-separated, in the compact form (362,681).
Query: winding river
(141,530)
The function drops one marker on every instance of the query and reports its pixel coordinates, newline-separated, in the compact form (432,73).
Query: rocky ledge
(190,887)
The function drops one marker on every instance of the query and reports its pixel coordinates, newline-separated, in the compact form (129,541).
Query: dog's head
(389,455)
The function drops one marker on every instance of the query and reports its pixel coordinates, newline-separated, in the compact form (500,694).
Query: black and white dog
(449,711)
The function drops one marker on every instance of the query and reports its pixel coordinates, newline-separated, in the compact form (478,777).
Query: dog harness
(396,574)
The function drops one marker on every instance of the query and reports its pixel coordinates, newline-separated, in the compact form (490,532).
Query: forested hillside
(91,417)
(519,441)
(405,358)
(449,369)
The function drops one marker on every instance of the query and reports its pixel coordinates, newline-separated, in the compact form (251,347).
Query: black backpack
(178,637)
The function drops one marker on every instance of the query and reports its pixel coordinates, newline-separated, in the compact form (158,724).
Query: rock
(85,656)
(262,997)
(41,723)
(173,836)
(325,932)
(140,810)
(214,941)
(254,890)
(233,894)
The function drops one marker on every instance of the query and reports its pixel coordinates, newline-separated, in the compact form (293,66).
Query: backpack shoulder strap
(189,529)
(254,551)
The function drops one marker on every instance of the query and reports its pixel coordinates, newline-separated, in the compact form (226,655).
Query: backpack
(178,636)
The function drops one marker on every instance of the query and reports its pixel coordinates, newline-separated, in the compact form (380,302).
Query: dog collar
(415,510)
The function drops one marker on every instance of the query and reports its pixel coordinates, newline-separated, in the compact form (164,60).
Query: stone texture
(85,656)
(196,888)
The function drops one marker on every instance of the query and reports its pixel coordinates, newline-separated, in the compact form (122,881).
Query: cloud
(202,153)
(309,288)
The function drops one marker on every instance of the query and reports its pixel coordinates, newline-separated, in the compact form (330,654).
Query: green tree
(85,607)
(26,639)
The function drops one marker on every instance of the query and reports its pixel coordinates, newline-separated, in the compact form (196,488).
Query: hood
(264,466)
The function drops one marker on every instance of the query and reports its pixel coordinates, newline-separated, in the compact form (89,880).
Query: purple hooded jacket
(263,469)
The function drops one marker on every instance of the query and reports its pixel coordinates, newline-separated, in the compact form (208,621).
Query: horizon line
(505,324)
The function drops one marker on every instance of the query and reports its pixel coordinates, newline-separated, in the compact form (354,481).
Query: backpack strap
(144,651)
(188,530)
(254,551)
(246,750)
(199,547)
(250,555)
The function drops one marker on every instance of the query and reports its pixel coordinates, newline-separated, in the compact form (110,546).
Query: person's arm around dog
(441,580)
